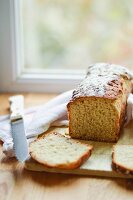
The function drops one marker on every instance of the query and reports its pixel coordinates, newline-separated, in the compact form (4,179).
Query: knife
(17,127)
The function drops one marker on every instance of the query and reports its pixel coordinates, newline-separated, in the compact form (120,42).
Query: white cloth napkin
(129,111)
(38,119)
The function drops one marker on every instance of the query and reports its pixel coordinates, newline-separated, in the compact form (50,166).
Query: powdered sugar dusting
(109,69)
(101,79)
(94,85)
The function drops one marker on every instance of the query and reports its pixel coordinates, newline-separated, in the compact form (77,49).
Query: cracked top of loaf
(102,69)
(103,80)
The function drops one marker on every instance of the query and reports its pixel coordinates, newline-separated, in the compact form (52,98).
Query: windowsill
(31,99)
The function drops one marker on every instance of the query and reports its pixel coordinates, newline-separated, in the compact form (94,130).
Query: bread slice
(122,158)
(58,151)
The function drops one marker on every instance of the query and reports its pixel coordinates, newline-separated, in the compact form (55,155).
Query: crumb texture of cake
(58,151)
(122,158)
(97,108)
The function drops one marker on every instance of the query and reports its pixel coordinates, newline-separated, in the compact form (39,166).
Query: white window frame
(11,77)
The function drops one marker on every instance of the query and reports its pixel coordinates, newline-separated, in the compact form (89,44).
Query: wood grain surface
(19,184)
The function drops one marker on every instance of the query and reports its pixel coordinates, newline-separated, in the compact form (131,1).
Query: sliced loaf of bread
(122,158)
(97,108)
(58,151)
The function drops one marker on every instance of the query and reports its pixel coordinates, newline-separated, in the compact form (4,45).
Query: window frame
(12,79)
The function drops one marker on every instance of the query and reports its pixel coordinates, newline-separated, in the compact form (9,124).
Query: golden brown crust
(71,165)
(119,167)
(125,91)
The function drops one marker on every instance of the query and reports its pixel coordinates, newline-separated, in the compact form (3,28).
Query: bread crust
(119,167)
(72,165)
(112,89)
(115,89)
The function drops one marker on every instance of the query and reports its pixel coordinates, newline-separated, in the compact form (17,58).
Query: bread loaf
(97,108)
(58,151)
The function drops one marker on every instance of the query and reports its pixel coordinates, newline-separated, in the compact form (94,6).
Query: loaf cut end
(94,118)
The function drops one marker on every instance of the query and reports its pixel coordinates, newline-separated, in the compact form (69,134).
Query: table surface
(19,184)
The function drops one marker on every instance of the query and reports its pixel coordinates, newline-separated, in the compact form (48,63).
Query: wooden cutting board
(99,164)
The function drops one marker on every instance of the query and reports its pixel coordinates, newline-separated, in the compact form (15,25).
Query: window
(48,44)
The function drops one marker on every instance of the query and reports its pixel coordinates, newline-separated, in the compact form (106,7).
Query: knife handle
(16,107)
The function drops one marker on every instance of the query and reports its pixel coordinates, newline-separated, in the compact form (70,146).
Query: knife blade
(17,127)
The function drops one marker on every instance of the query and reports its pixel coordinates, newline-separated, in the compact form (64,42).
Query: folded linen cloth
(129,111)
(38,119)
